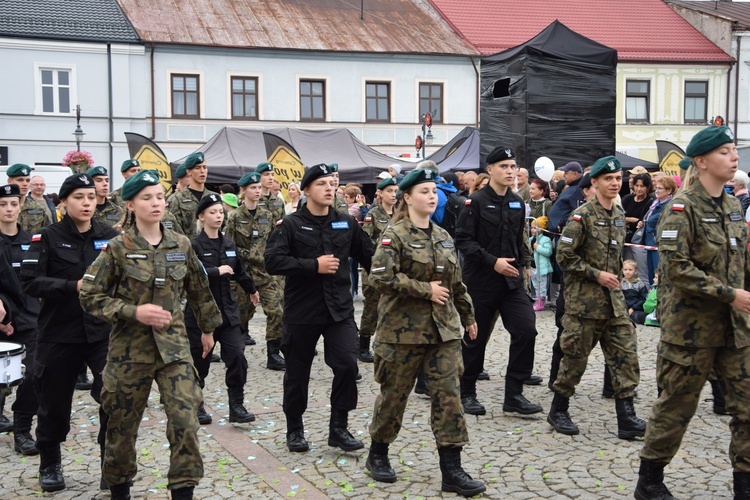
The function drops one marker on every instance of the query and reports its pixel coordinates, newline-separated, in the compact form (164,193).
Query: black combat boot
(628,425)
(378,463)
(364,354)
(82,382)
(608,392)
(22,440)
(559,418)
(203,417)
(120,491)
(215,358)
(295,434)
(339,436)
(651,482)
(533,380)
(50,468)
(741,485)
(421,386)
(454,477)
(183,493)
(6,424)
(720,405)
(483,375)
(237,411)
(247,339)
(515,401)
(472,406)
(275,361)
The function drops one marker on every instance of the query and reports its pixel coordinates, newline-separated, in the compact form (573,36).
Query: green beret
(315,172)
(207,201)
(390,181)
(193,159)
(77,181)
(606,165)
(264,167)
(333,167)
(708,139)
(249,178)
(10,191)
(180,172)
(685,163)
(230,199)
(18,170)
(418,176)
(95,171)
(136,182)
(132,162)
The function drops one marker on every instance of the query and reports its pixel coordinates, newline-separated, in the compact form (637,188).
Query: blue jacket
(652,221)
(443,189)
(542,254)
(570,199)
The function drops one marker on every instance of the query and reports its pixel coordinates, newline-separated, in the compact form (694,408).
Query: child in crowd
(541,244)
(635,290)
(649,307)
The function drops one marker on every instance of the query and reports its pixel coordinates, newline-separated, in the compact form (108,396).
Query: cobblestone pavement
(517,457)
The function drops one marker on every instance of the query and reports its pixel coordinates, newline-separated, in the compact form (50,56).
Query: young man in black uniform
(491,234)
(311,247)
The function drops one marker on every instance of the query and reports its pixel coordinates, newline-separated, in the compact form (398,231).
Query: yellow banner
(151,159)
(287,168)
(670,163)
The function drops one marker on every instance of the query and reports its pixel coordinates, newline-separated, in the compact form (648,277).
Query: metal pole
(424,136)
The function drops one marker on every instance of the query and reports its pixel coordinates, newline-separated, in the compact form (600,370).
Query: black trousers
(57,367)
(26,401)
(517,312)
(232,354)
(340,348)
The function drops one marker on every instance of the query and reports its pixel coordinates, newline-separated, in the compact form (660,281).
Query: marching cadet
(107,212)
(376,221)
(422,306)
(249,227)
(181,174)
(33,215)
(491,234)
(184,203)
(339,203)
(218,254)
(136,284)
(129,167)
(590,255)
(23,329)
(268,200)
(704,275)
(311,247)
(69,336)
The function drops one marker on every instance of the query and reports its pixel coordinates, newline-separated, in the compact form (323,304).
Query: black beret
(10,190)
(315,172)
(585,181)
(264,167)
(193,159)
(207,201)
(136,182)
(500,154)
(249,178)
(74,182)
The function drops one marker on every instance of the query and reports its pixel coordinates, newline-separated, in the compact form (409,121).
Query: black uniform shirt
(292,250)
(29,313)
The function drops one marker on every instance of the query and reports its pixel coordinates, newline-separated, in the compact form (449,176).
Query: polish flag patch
(36,237)
(577,217)
(678,207)
(467,203)
(385,242)
(278,222)
(368,219)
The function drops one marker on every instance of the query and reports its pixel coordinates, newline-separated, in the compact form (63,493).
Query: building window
(185,96)
(637,101)
(312,100)
(431,100)
(377,101)
(244,98)
(56,90)
(696,102)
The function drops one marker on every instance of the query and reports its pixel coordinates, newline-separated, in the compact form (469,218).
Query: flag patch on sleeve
(385,242)
(278,222)
(669,234)
(36,237)
(467,203)
(368,219)
(678,207)
(577,217)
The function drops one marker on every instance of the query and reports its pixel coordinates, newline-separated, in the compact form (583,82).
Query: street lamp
(79,133)
(426,120)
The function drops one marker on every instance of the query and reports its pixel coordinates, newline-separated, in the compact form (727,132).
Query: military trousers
(272,301)
(681,374)
(55,374)
(232,354)
(369,319)
(517,312)
(26,401)
(124,398)
(396,367)
(618,341)
(340,347)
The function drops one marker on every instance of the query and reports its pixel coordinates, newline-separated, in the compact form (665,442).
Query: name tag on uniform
(175,257)
(168,224)
(136,256)
(710,220)
(733,242)
(669,234)
(255,233)
(340,224)
(276,203)
(113,217)
(601,223)
(34,211)
(263,221)
(245,221)
(566,239)
(65,245)
(99,244)
(16,264)
(619,223)
(491,206)
(383,221)
(416,245)
(209,254)
(735,216)
(516,205)
(25,248)
(306,228)
(447,244)
(231,253)
(614,242)
(439,268)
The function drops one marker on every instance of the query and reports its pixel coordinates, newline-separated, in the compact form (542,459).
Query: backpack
(453,205)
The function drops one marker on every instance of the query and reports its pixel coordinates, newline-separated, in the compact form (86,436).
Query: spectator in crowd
(635,290)
(395,171)
(538,202)
(664,187)
(38,186)
(481,181)
(739,183)
(637,170)
(294,197)
(636,205)
(541,267)
(469,178)
(522,184)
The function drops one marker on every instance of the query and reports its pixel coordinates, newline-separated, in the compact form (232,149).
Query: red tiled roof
(640,30)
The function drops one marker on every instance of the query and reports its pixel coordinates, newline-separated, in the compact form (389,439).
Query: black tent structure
(552,96)
(460,153)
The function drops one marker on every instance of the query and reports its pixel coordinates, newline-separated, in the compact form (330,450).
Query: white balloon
(544,168)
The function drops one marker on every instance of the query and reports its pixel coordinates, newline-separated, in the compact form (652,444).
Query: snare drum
(12,369)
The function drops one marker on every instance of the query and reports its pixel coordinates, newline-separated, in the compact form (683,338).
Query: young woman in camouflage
(420,316)
(137,283)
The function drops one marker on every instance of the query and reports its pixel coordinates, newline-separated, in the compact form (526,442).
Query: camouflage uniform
(250,233)
(702,259)
(169,221)
(110,215)
(340,204)
(116,198)
(33,216)
(183,205)
(415,332)
(590,243)
(273,204)
(129,273)
(375,223)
